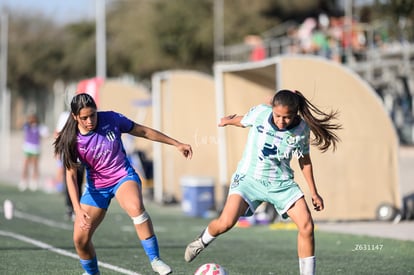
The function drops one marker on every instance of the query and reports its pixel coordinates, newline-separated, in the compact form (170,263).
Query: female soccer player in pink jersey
(95,139)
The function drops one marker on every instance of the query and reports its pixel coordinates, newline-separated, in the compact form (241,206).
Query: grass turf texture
(252,250)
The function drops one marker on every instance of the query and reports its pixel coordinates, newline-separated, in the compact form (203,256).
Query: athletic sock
(151,248)
(307,265)
(206,237)
(90,266)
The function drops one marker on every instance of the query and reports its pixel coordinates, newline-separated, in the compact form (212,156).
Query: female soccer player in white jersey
(277,133)
(95,139)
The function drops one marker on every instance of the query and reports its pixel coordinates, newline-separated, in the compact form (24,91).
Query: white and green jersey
(268,151)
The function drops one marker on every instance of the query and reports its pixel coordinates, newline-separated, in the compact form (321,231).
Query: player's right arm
(71,182)
(233,120)
(71,185)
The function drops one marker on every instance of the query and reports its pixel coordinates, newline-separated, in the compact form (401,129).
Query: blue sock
(90,266)
(151,248)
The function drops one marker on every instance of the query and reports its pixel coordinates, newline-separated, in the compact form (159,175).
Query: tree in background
(152,35)
(34,54)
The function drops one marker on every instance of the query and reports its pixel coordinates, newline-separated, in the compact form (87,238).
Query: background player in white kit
(277,133)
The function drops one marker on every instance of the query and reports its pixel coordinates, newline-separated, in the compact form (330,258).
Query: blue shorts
(102,197)
(281,194)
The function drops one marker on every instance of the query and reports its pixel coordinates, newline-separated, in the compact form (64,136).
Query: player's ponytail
(319,122)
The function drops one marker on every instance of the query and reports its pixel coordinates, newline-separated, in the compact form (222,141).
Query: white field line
(42,220)
(43,245)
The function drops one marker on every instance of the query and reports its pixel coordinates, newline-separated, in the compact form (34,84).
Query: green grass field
(38,240)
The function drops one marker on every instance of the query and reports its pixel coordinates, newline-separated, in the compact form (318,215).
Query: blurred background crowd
(45,53)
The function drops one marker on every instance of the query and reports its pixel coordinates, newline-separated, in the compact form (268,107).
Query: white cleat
(193,249)
(160,267)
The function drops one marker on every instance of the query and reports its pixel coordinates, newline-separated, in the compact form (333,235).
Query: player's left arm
(305,164)
(139,130)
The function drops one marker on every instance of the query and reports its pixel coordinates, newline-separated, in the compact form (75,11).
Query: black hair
(319,122)
(65,143)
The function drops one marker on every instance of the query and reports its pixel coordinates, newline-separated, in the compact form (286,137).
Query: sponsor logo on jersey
(268,150)
(236,180)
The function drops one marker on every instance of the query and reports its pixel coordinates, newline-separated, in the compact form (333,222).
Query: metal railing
(388,68)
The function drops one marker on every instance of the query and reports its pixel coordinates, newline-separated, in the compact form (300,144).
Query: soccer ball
(210,269)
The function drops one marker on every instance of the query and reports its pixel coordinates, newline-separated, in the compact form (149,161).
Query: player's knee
(307,228)
(80,242)
(141,218)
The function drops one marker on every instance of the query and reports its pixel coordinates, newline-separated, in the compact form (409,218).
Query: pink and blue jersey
(102,150)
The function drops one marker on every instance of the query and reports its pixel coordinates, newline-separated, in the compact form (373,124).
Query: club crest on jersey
(110,135)
(291,140)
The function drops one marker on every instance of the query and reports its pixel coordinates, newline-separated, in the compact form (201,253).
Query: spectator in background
(256,43)
(31,149)
(320,39)
(305,35)
(320,43)
(61,171)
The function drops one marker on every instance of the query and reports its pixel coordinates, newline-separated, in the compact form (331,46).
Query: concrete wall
(184,108)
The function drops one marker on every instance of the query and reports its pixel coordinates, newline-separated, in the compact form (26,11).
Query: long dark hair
(65,143)
(319,122)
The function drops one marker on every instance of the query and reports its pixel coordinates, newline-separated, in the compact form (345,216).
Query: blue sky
(62,11)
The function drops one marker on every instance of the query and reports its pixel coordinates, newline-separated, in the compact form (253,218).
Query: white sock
(307,265)
(206,238)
